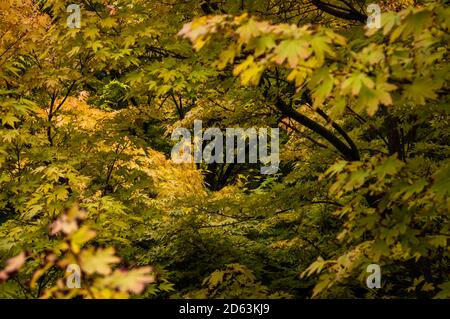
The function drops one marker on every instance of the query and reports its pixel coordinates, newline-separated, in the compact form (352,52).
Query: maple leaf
(248,30)
(390,166)
(421,90)
(441,183)
(12,265)
(292,50)
(63,225)
(10,120)
(263,44)
(133,281)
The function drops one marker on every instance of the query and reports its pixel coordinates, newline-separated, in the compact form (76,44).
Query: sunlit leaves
(132,281)
(421,90)
(9,119)
(98,261)
(445,291)
(292,51)
(300,46)
(249,71)
(81,237)
(441,183)
(385,91)
(12,265)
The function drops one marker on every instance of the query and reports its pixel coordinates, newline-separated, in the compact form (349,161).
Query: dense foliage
(86,176)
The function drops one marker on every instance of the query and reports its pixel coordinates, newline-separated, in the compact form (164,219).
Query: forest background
(86,177)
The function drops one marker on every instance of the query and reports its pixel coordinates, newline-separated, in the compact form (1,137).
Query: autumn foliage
(86,177)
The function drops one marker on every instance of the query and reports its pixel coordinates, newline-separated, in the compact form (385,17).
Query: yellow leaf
(98,261)
(79,238)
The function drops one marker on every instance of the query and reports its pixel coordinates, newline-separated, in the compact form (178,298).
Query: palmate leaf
(445,291)
(80,237)
(137,199)
(108,22)
(390,166)
(133,281)
(292,51)
(322,84)
(249,30)
(98,261)
(94,45)
(315,267)
(226,57)
(321,47)
(441,183)
(421,90)
(10,135)
(9,119)
(91,33)
(262,44)
(356,81)
(249,71)
(12,265)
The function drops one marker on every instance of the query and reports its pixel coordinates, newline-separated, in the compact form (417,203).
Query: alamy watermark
(241,146)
